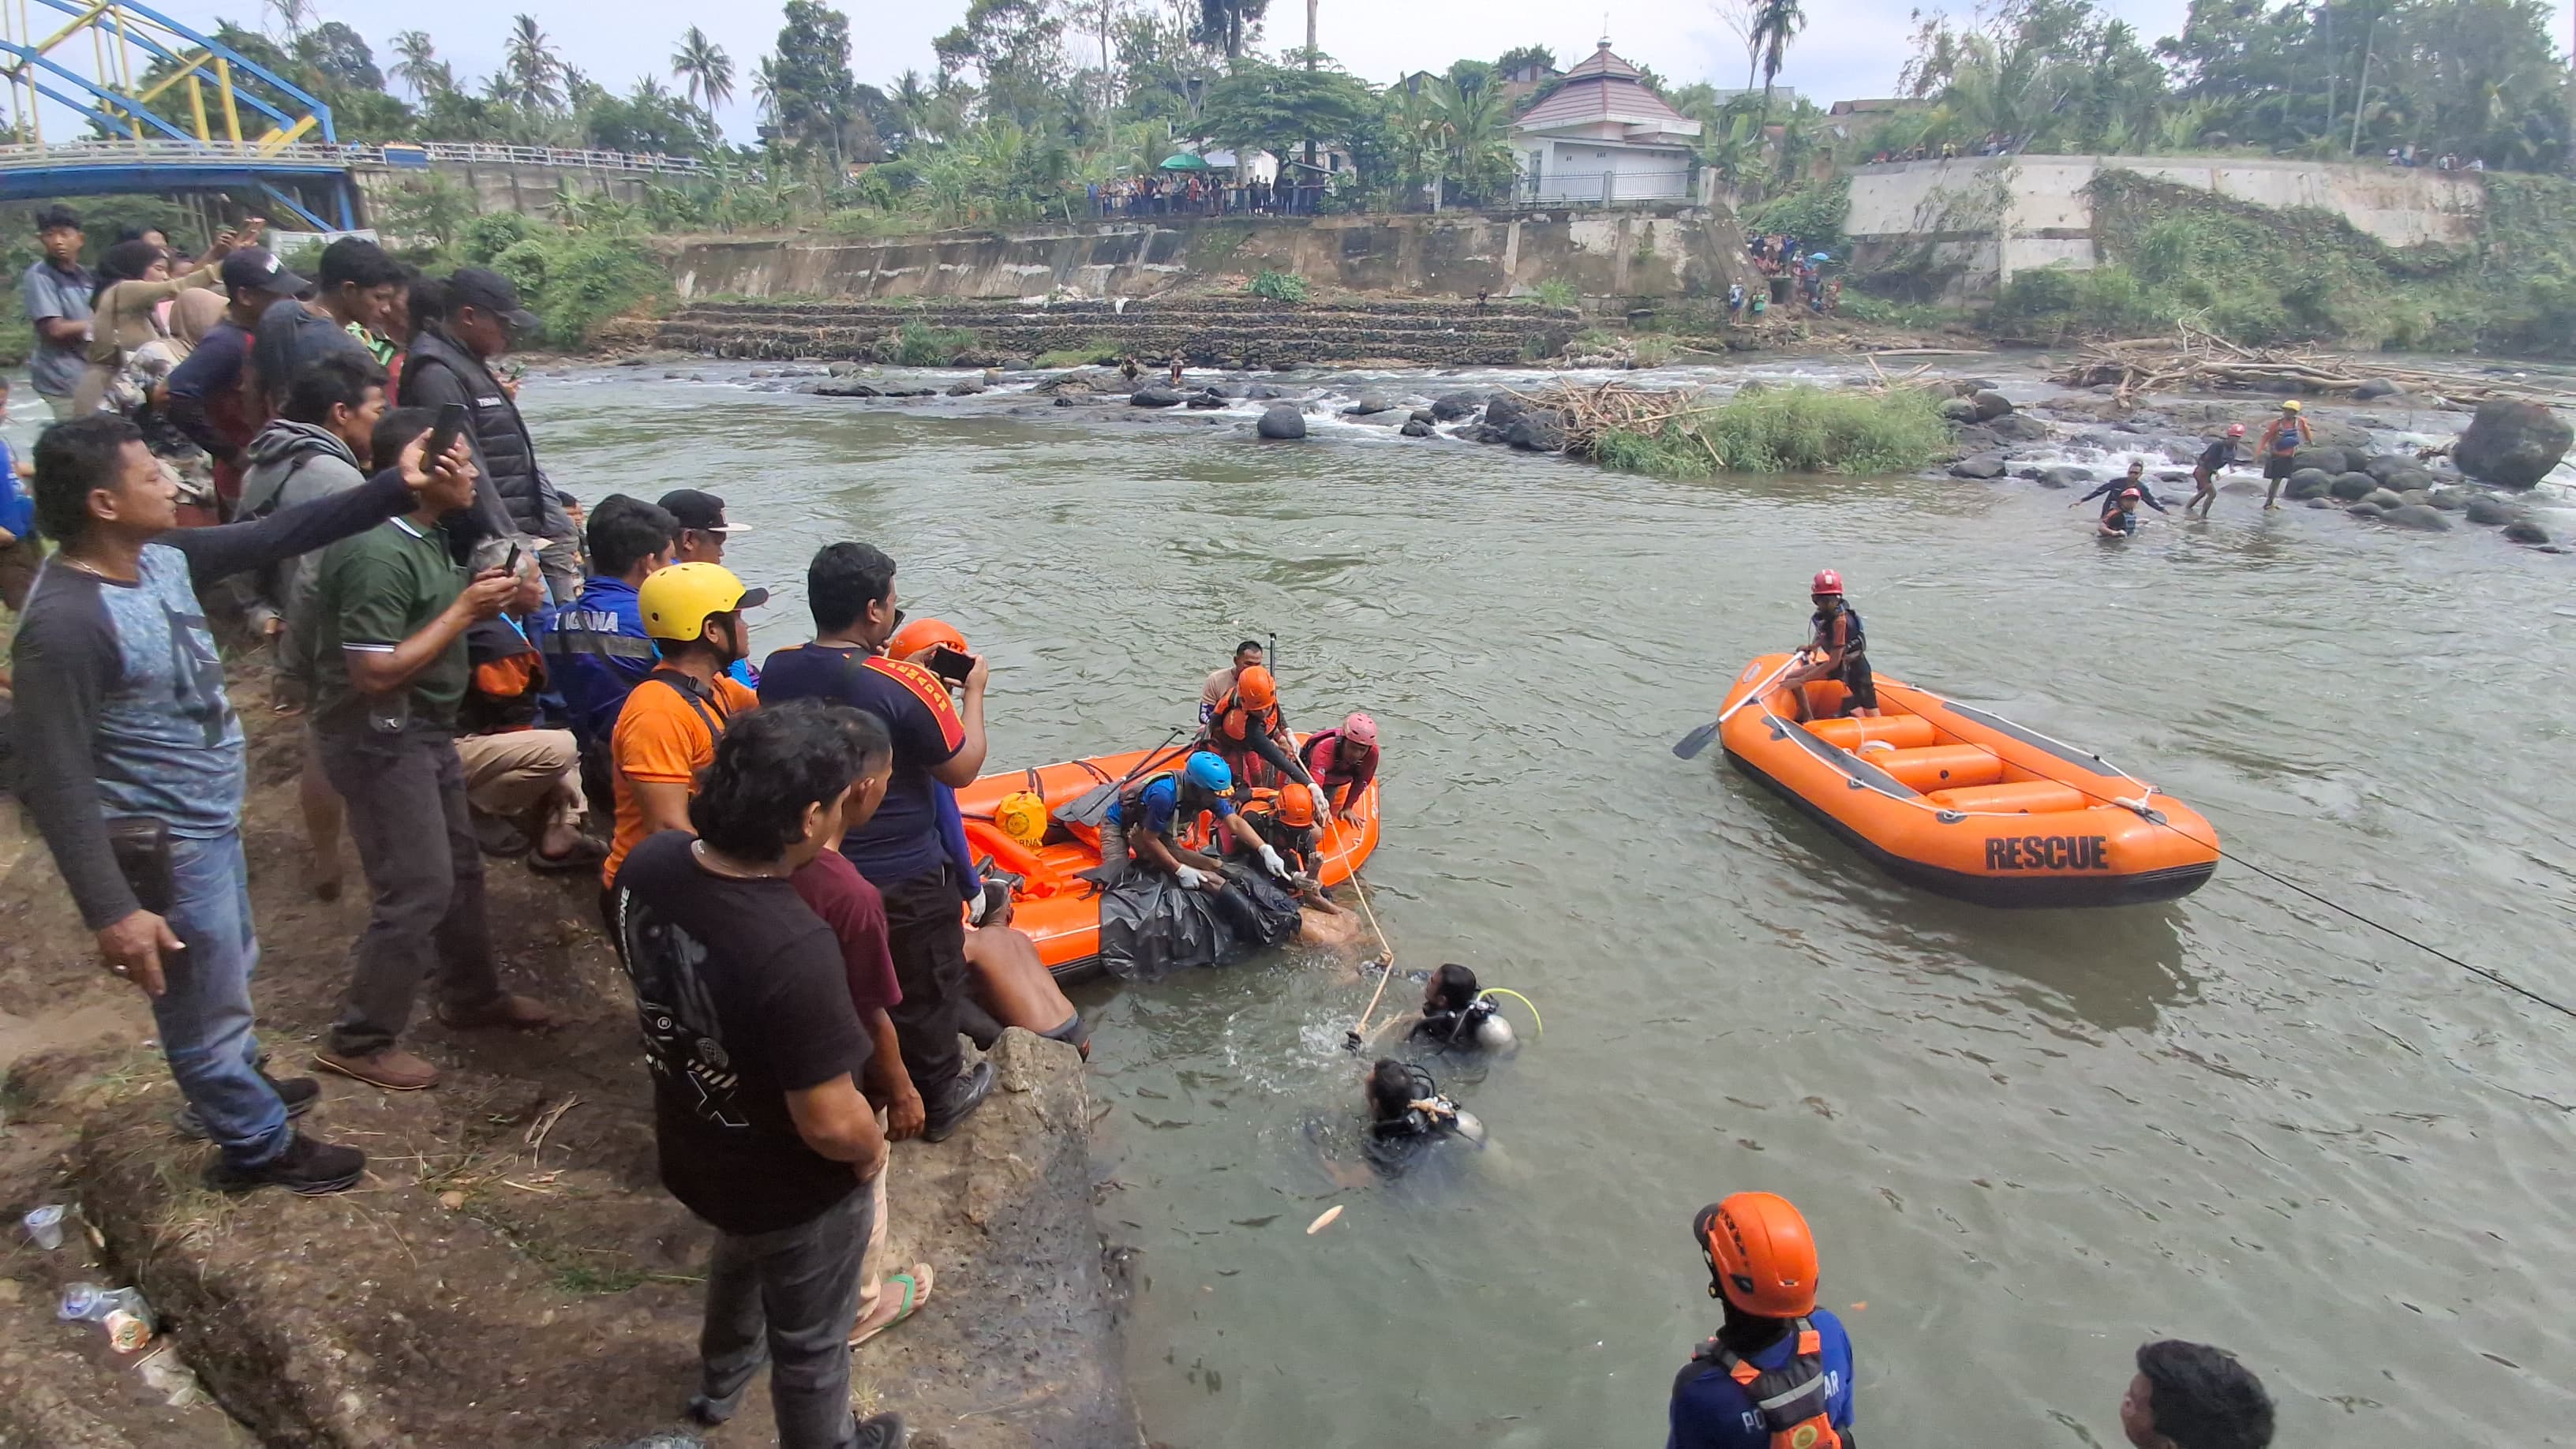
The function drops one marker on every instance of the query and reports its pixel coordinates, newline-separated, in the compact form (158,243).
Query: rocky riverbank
(511,1272)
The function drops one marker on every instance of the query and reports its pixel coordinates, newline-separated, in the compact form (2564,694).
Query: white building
(1602,136)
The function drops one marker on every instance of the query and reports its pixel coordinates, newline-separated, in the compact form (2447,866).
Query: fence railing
(166,152)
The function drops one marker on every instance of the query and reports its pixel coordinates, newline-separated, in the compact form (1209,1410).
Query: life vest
(1232,722)
(1190,829)
(2283,438)
(1792,1398)
(1843,628)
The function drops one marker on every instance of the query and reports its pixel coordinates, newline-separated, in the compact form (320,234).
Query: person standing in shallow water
(2192,1396)
(1778,1371)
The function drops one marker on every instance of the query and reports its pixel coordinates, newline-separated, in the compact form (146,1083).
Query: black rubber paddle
(1088,807)
(1690,745)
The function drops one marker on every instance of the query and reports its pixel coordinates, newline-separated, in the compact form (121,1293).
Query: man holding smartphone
(123,729)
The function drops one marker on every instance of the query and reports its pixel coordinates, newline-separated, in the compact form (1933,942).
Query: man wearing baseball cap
(450,362)
(703,529)
(205,390)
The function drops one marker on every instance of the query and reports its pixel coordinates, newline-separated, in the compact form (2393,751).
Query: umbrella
(1818,257)
(1184,161)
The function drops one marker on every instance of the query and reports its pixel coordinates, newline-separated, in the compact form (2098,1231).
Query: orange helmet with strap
(1254,689)
(1763,1260)
(920,636)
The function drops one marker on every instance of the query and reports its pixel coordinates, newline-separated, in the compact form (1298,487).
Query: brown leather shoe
(393,1069)
(520,1013)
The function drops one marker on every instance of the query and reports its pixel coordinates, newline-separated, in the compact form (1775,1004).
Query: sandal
(916,1292)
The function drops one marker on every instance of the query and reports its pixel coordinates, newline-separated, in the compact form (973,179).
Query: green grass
(1279,287)
(1651,351)
(1786,430)
(1095,350)
(1555,292)
(918,344)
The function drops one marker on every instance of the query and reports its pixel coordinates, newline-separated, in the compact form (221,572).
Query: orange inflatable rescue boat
(1967,804)
(1062,913)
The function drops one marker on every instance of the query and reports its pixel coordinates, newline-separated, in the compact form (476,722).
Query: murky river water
(2027,1142)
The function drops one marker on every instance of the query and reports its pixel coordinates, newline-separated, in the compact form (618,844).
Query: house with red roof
(1602,136)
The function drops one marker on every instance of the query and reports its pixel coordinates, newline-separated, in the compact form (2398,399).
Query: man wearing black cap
(703,529)
(448,363)
(205,390)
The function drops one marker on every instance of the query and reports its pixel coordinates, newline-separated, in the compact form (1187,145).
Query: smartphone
(443,434)
(510,565)
(948,664)
(142,850)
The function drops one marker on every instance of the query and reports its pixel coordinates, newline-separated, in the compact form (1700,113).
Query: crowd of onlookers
(1197,193)
(1996,143)
(337,471)
(2411,156)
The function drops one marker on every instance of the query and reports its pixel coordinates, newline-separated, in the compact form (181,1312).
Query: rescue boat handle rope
(2139,807)
(1386,950)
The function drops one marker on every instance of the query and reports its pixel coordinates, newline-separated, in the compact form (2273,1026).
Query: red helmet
(1827,582)
(2236,430)
(2130,493)
(1760,1254)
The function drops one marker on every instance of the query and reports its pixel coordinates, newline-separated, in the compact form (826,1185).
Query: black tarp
(1151,926)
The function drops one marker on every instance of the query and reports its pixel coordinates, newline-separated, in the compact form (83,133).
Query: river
(2027,1141)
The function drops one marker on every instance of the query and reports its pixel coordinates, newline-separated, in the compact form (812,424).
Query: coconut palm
(294,17)
(420,68)
(1774,26)
(532,66)
(764,88)
(704,68)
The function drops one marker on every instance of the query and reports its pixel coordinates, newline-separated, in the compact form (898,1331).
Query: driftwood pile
(1590,411)
(2195,360)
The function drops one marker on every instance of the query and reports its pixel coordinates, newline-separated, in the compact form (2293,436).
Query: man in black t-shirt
(755,1053)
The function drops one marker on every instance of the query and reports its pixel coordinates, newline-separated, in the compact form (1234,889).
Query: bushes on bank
(574,281)
(1786,430)
(918,344)
(1280,287)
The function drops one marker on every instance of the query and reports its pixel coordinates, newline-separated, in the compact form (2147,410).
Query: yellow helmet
(1022,815)
(2291,406)
(676,601)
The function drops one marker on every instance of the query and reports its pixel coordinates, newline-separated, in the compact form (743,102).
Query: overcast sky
(1850,47)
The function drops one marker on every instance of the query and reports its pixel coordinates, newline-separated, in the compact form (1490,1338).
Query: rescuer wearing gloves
(1142,825)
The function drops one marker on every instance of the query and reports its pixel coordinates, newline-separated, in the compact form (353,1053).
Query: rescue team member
(1408,1115)
(1838,650)
(1138,828)
(2192,1396)
(1285,819)
(1456,1015)
(2279,446)
(2135,478)
(668,729)
(1248,726)
(2120,519)
(2204,474)
(1343,759)
(1778,1372)
(1221,683)
(911,642)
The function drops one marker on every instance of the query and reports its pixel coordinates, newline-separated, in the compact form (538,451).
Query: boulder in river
(1369,402)
(1983,465)
(1155,395)
(2422,516)
(2364,509)
(967,388)
(2064,476)
(2015,428)
(2416,495)
(1975,438)
(1958,410)
(1417,428)
(1206,400)
(2384,466)
(2492,511)
(1450,407)
(1991,405)
(1282,422)
(2350,487)
(2451,500)
(2512,443)
(2376,387)
(1540,430)
(2312,483)
(1382,418)
(2523,530)
(2381,496)
(1264,392)
(847,387)
(1502,410)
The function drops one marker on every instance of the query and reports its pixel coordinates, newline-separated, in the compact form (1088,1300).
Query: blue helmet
(1208,771)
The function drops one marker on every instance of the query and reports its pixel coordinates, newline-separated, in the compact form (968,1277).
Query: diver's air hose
(1523,1000)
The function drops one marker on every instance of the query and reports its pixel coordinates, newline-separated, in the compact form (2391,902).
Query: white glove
(1190,877)
(1323,807)
(1270,861)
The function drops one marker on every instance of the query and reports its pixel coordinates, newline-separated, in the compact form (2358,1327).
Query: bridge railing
(164,152)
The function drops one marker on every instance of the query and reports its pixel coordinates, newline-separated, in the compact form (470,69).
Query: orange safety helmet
(920,636)
(1760,1255)
(1255,689)
(1296,808)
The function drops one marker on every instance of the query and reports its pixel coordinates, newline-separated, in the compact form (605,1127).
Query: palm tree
(1773,27)
(704,68)
(764,87)
(420,68)
(292,15)
(532,65)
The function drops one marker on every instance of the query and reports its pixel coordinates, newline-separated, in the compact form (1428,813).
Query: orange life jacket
(1792,1398)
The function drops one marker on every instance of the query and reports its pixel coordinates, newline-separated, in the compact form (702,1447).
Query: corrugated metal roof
(1600,87)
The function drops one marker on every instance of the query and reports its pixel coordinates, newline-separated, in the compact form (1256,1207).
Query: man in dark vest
(449,362)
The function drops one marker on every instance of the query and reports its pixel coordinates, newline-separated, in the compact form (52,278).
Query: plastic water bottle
(87,1303)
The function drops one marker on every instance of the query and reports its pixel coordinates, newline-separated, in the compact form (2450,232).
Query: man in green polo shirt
(391,609)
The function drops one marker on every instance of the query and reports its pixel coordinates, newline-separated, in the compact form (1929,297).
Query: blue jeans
(205,1015)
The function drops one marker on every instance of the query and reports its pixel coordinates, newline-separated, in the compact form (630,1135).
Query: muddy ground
(510,1272)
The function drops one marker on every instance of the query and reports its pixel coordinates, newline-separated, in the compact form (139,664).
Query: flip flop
(916,1292)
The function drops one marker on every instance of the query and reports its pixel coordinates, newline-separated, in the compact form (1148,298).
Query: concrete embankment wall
(1981,219)
(1600,253)
(497,186)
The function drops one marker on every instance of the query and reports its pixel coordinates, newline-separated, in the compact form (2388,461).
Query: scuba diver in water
(1407,1115)
(1778,1373)
(1458,1016)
